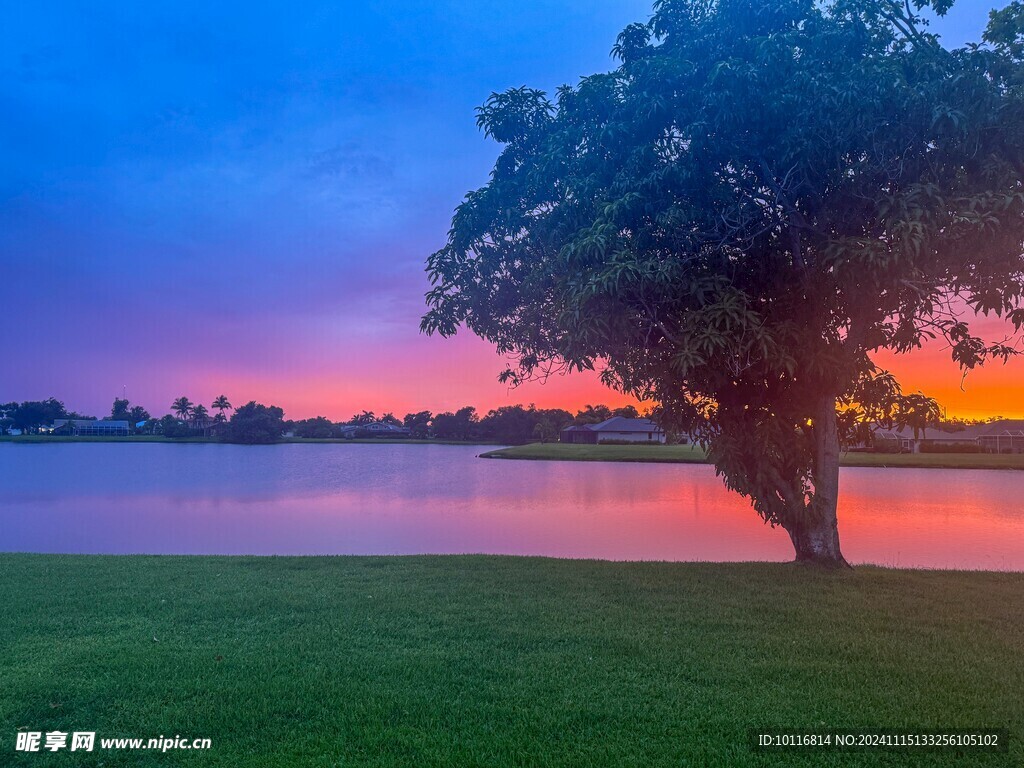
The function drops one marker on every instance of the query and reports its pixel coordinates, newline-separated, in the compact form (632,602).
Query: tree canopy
(254,423)
(758,197)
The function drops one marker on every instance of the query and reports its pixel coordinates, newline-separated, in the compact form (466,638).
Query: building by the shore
(91,427)
(617,429)
(1002,436)
(381,429)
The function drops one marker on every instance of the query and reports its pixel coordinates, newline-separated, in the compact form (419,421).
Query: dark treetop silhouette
(759,196)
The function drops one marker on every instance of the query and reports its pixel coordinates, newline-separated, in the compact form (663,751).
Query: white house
(373,429)
(1001,436)
(616,429)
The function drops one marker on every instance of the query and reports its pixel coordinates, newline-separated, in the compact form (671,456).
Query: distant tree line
(258,423)
(31,415)
(512,424)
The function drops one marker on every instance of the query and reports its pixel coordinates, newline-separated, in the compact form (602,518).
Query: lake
(296,499)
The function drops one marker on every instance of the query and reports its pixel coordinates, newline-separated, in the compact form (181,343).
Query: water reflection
(407,499)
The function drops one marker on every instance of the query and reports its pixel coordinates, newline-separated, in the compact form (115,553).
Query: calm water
(405,499)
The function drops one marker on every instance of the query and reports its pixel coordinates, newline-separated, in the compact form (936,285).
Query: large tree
(119,411)
(761,195)
(30,415)
(254,423)
(418,424)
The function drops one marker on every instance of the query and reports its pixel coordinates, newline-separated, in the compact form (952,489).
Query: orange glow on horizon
(435,375)
(993,390)
(444,375)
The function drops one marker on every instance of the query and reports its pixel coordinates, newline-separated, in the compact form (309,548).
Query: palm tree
(199,413)
(182,406)
(221,404)
(366,417)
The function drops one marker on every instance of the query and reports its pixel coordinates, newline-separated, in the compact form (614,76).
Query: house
(1005,436)
(373,429)
(92,427)
(617,429)
(206,426)
(1002,436)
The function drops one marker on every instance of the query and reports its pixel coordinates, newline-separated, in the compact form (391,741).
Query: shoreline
(43,439)
(554,559)
(688,454)
(627,454)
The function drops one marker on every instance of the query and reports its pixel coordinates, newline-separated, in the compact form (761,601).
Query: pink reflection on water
(931,518)
(439,499)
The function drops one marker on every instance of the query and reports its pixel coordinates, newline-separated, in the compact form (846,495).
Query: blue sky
(239,197)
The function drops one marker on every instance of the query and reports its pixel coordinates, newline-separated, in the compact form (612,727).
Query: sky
(206,198)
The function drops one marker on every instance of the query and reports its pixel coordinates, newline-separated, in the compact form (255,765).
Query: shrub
(965,446)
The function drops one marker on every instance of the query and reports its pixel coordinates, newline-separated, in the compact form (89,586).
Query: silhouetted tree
(455,426)
(514,424)
(221,404)
(182,406)
(137,413)
(418,424)
(593,414)
(319,427)
(169,426)
(30,415)
(254,423)
(627,412)
(119,411)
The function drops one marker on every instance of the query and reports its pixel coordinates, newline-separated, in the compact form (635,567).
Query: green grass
(453,661)
(689,454)
(388,440)
(670,454)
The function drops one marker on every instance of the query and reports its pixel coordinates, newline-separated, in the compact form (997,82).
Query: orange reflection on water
(432,499)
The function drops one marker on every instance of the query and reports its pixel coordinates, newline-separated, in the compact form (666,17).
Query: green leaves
(762,193)
(514,115)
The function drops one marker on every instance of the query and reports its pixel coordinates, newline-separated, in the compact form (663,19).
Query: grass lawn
(689,454)
(453,661)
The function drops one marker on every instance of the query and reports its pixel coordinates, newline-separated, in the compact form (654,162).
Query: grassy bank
(688,454)
(498,661)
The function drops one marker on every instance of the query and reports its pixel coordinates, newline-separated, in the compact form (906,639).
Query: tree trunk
(815,535)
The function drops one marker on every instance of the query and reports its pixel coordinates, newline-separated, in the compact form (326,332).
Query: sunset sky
(232,197)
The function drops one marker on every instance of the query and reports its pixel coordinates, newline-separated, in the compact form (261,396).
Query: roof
(617,424)
(1001,427)
(119,424)
(380,426)
(973,432)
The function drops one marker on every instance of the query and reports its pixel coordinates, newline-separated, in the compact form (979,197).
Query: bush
(178,430)
(884,445)
(629,442)
(319,427)
(965,446)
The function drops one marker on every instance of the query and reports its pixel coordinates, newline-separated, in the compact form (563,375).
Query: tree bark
(815,534)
